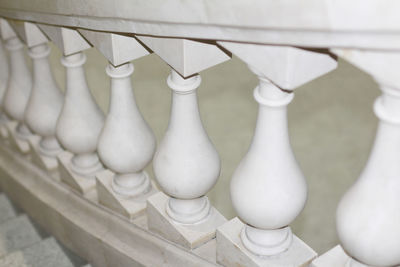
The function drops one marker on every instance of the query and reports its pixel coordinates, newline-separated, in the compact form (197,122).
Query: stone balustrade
(102,157)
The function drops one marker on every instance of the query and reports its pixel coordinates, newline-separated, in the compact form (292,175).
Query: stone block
(336,257)
(130,207)
(231,251)
(83,185)
(21,145)
(48,164)
(186,235)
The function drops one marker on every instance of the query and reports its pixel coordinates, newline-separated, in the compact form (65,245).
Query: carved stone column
(18,91)
(186,164)
(268,189)
(45,102)
(368,215)
(126,144)
(81,120)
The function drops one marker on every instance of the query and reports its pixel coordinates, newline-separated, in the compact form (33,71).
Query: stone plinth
(336,257)
(130,207)
(231,251)
(186,235)
(83,185)
(48,164)
(21,145)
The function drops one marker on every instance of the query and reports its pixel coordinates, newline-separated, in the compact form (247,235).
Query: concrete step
(46,253)
(16,234)
(7,210)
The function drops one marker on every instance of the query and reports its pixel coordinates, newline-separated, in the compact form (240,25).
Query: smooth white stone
(368,215)
(187,57)
(190,235)
(83,185)
(268,190)
(6,30)
(45,102)
(186,164)
(29,33)
(126,143)
(19,144)
(336,257)
(232,252)
(48,164)
(287,67)
(130,207)
(19,86)
(69,41)
(81,120)
(118,49)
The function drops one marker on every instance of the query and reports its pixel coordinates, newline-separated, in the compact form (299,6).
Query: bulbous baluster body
(186,164)
(81,120)
(45,103)
(368,216)
(19,86)
(126,144)
(268,190)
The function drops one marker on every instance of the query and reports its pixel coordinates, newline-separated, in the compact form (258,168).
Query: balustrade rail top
(372,24)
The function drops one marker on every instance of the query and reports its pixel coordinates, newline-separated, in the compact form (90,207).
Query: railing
(102,157)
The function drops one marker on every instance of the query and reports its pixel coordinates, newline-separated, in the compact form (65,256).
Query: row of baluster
(268,189)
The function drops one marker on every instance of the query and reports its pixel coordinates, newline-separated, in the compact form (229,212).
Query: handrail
(355,24)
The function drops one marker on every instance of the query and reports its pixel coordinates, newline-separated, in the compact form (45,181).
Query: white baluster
(368,215)
(19,87)
(126,144)
(81,120)
(45,103)
(186,164)
(4,77)
(268,190)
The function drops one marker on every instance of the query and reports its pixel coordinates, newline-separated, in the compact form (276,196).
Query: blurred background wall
(331,125)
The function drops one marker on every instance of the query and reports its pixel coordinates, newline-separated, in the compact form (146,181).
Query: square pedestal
(21,145)
(336,257)
(83,185)
(187,235)
(231,251)
(130,207)
(48,164)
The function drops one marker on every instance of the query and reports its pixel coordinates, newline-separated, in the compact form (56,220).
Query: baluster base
(130,207)
(334,258)
(83,185)
(48,164)
(19,144)
(232,252)
(186,235)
